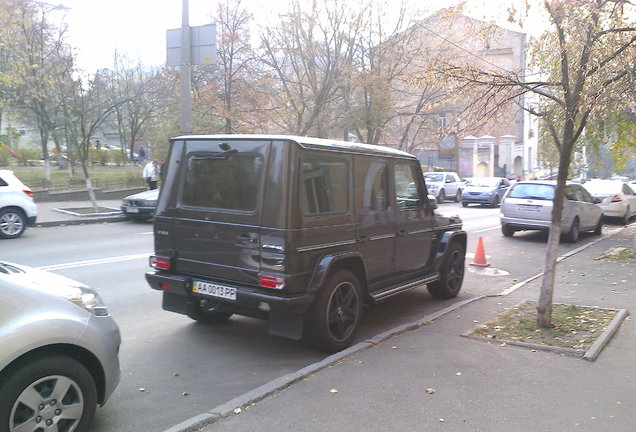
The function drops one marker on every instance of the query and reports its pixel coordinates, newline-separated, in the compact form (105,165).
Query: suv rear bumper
(284,313)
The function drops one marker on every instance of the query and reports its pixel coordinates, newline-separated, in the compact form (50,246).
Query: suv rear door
(217,228)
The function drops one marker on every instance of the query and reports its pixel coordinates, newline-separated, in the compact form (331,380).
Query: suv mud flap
(286,325)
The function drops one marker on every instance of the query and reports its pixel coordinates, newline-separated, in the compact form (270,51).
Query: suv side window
(407,187)
(210,181)
(373,189)
(324,186)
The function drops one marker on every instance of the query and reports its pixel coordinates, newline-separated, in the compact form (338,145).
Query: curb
(83,221)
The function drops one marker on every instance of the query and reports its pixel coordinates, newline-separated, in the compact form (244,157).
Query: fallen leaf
(185,394)
(333,390)
(237,410)
(142,389)
(430,390)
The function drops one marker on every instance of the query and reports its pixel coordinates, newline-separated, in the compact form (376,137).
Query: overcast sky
(96,28)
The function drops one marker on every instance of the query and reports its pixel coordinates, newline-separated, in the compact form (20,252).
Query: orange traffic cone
(480,254)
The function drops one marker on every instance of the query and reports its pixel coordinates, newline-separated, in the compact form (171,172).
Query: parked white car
(618,198)
(528,206)
(444,185)
(17,208)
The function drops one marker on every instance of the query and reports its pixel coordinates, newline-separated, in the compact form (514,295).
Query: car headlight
(148,203)
(82,296)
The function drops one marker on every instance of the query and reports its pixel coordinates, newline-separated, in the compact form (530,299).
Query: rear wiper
(222,155)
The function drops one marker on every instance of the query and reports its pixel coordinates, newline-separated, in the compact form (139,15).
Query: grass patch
(105,177)
(574,327)
(618,253)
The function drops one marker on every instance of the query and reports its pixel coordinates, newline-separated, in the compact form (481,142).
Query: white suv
(17,209)
(444,185)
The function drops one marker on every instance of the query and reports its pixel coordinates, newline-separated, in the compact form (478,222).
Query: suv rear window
(532,191)
(211,181)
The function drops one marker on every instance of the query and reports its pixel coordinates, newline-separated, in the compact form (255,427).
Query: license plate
(528,208)
(214,290)
(132,209)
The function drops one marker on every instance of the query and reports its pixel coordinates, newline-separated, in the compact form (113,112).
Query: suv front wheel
(451,273)
(334,317)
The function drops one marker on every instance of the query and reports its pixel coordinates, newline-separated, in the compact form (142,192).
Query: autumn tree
(583,63)
(38,55)
(86,106)
(306,54)
(136,88)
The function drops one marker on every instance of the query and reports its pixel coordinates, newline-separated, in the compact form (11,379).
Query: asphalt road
(174,368)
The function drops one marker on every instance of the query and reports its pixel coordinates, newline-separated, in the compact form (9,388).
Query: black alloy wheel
(451,273)
(335,315)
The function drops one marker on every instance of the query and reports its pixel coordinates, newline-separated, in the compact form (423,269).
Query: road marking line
(487,229)
(95,262)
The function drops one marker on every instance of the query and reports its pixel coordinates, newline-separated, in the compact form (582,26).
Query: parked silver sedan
(528,206)
(58,351)
(618,199)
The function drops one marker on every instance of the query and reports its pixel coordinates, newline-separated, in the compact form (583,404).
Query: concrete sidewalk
(426,376)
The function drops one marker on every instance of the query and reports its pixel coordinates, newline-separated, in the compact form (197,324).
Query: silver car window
(532,191)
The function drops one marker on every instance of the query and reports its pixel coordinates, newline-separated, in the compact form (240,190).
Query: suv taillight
(28,192)
(160,263)
(274,282)
(617,198)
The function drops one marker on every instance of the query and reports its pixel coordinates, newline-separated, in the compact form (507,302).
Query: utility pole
(185,66)
(187,46)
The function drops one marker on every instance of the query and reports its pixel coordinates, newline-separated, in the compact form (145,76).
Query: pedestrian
(151,174)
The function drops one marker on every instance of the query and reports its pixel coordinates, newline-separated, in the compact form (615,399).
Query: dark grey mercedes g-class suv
(299,231)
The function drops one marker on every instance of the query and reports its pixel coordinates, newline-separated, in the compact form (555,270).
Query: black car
(301,232)
(140,206)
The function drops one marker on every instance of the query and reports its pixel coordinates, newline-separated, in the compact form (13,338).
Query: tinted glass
(532,191)
(406,186)
(324,185)
(228,182)
(374,189)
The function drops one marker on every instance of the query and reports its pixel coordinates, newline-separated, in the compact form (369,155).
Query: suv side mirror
(432,202)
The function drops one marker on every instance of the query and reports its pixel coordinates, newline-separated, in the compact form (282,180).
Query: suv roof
(306,142)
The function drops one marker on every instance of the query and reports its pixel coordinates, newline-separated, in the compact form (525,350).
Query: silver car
(58,351)
(528,206)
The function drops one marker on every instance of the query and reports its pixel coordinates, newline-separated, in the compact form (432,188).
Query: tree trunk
(544,309)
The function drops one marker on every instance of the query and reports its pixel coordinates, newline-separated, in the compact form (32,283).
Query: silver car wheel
(52,400)
(12,224)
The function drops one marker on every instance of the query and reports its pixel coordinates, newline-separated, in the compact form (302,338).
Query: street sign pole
(186,96)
